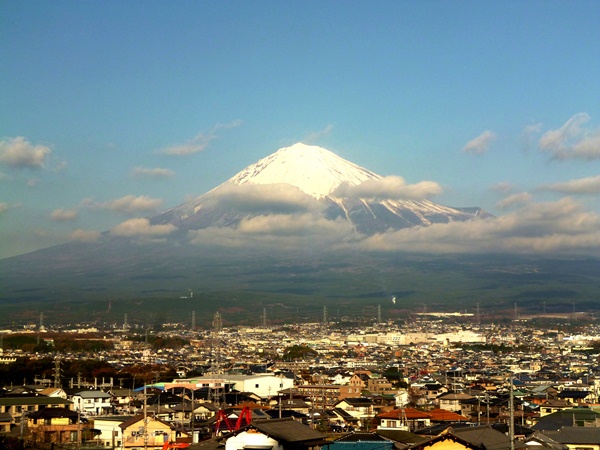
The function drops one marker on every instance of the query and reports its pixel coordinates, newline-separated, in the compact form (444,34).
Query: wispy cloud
(588,185)
(64,215)
(19,153)
(318,135)
(502,187)
(573,140)
(480,144)
(519,199)
(389,188)
(84,236)
(528,133)
(140,227)
(155,172)
(3,207)
(129,204)
(200,142)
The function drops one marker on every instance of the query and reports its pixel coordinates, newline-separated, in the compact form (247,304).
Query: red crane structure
(224,424)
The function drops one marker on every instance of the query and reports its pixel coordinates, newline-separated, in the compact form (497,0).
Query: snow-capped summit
(312,175)
(314,170)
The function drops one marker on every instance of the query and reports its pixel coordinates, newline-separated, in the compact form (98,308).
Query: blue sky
(116,110)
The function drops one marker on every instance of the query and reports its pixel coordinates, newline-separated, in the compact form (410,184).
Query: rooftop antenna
(264,318)
(378,314)
(478,316)
(324,315)
(125,326)
(193,320)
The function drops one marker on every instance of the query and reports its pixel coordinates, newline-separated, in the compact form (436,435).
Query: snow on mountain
(295,179)
(314,170)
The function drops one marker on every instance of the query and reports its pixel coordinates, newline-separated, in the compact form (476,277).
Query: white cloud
(573,140)
(519,199)
(3,207)
(84,236)
(298,232)
(18,152)
(130,204)
(147,172)
(140,227)
(273,198)
(502,187)
(481,143)
(589,185)
(527,135)
(318,135)
(64,215)
(389,188)
(200,142)
(561,227)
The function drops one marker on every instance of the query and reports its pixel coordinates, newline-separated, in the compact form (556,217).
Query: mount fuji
(285,234)
(304,178)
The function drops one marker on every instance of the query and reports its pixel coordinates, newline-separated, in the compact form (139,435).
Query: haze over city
(112,112)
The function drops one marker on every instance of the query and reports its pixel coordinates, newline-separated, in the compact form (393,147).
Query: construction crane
(224,424)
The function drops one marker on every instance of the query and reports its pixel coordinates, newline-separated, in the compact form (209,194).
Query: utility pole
(146,418)
(193,414)
(511,407)
(57,372)
(216,342)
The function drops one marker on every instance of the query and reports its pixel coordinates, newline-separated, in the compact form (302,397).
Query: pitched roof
(567,393)
(138,418)
(575,435)
(409,413)
(41,400)
(53,413)
(484,436)
(402,436)
(539,439)
(566,418)
(445,437)
(455,396)
(91,394)
(357,401)
(443,415)
(287,430)
(361,437)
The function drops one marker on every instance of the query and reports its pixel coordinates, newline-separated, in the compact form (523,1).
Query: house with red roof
(403,419)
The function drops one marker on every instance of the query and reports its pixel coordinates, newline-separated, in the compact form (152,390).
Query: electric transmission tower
(217,327)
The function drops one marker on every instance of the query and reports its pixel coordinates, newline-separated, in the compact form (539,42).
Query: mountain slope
(304,178)
(282,234)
